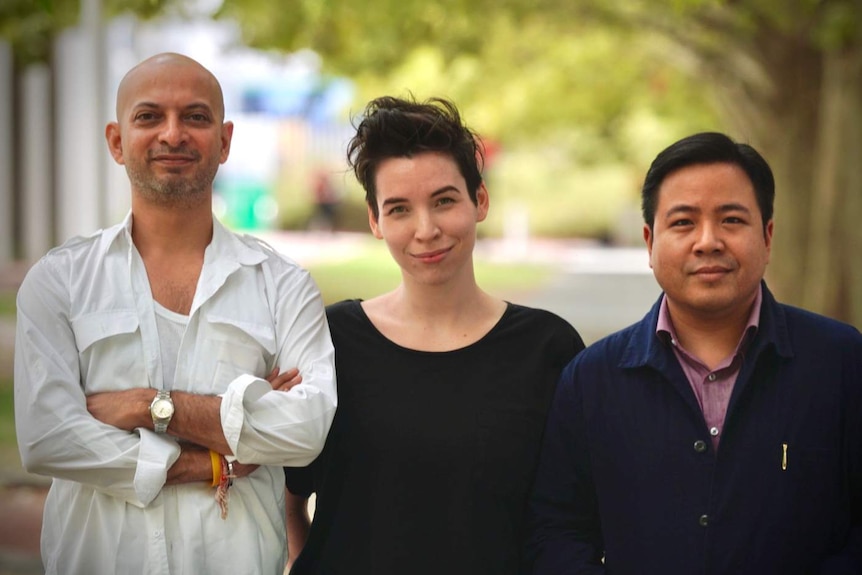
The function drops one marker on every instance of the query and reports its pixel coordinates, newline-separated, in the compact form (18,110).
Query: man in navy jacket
(721,434)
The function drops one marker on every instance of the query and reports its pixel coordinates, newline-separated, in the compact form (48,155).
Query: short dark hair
(401,128)
(708,148)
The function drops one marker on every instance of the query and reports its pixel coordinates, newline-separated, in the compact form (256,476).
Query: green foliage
(840,25)
(519,70)
(30,26)
(557,200)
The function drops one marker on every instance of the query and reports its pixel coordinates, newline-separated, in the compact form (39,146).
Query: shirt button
(713,431)
(711,377)
(700,446)
(703,521)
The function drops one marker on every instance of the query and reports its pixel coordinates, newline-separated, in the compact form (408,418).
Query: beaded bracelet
(225,482)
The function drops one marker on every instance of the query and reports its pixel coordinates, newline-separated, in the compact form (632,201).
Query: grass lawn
(7,418)
(7,303)
(373,272)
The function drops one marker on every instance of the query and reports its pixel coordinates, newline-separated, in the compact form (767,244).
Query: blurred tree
(30,26)
(787,76)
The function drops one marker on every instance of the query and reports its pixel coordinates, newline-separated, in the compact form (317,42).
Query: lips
(432,256)
(174,156)
(172,159)
(711,273)
(711,270)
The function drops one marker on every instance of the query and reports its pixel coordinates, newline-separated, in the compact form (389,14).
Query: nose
(426,227)
(708,239)
(173,132)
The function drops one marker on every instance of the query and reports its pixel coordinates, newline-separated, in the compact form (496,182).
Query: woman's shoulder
(344,306)
(536,316)
(541,323)
(348,310)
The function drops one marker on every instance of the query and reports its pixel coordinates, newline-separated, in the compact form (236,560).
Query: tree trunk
(832,284)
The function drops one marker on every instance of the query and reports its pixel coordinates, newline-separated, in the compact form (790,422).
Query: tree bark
(831,284)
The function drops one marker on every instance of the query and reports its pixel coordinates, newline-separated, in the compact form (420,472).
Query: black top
(431,455)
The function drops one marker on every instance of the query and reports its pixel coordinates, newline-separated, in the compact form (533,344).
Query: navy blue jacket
(628,471)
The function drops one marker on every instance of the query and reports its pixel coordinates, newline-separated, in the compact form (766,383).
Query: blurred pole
(80,72)
(37,232)
(91,20)
(7,204)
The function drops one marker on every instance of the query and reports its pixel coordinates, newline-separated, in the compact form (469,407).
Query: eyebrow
(155,106)
(435,193)
(722,209)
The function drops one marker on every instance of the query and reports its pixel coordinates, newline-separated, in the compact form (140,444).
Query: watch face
(163,409)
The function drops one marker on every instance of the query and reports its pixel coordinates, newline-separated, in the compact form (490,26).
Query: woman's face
(426,216)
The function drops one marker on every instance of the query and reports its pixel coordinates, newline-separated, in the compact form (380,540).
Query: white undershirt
(171,327)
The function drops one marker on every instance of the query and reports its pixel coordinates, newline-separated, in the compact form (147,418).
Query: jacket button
(700,446)
(703,520)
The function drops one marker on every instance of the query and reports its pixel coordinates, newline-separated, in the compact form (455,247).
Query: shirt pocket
(110,352)
(235,347)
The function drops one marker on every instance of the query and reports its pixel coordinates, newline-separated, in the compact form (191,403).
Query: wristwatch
(162,410)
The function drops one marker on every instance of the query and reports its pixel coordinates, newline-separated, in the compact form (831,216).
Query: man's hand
(284,381)
(127,409)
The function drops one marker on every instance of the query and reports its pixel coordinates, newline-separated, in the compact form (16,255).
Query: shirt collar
(666,332)
(644,348)
(224,246)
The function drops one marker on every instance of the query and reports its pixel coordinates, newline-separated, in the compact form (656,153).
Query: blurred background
(572,99)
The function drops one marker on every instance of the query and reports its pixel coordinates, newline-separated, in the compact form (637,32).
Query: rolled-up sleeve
(287,428)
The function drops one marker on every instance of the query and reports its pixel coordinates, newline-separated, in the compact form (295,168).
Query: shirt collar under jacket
(644,348)
(666,331)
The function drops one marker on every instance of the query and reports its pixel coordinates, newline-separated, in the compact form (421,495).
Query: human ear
(648,239)
(115,141)
(483,202)
(374,224)
(226,136)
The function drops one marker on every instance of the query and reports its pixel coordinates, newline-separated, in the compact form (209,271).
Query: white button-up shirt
(86,323)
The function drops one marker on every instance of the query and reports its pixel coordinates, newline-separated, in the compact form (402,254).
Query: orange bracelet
(215,457)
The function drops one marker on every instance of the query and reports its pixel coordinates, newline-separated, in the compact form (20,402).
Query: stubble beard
(173,189)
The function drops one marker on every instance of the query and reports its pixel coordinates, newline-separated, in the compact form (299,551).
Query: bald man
(155,361)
